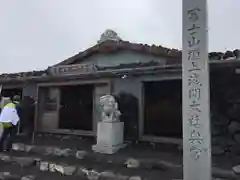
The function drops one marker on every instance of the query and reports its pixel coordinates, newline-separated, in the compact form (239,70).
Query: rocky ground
(14,172)
(58,157)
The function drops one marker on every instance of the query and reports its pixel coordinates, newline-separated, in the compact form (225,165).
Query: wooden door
(48,116)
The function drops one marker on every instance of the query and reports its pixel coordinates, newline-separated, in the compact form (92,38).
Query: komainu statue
(109,109)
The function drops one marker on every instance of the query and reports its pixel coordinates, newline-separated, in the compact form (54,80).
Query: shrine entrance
(163,108)
(11,92)
(76,107)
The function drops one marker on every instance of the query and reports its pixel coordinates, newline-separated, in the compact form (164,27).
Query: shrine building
(68,93)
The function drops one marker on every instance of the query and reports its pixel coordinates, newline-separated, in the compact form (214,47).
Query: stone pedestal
(109,137)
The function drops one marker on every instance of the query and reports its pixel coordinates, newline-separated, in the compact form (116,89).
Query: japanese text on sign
(194,84)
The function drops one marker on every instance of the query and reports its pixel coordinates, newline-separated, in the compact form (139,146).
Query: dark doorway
(128,106)
(163,108)
(11,92)
(76,107)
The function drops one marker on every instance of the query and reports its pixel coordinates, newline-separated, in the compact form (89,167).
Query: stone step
(98,171)
(91,171)
(92,157)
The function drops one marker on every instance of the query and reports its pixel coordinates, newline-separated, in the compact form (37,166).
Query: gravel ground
(150,174)
(16,170)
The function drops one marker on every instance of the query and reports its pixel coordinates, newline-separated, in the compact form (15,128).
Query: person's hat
(17,98)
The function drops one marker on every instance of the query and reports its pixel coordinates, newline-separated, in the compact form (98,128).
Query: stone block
(18,147)
(69,170)
(107,176)
(109,137)
(81,154)
(110,133)
(25,161)
(28,148)
(82,173)
(28,177)
(44,166)
(93,175)
(132,163)
(135,178)
(9,176)
(5,158)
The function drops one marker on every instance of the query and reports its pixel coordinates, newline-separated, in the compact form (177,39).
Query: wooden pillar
(195,84)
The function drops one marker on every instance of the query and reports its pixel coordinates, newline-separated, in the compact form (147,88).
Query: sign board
(195,79)
(72,69)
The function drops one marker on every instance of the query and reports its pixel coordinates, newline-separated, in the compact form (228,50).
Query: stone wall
(225,111)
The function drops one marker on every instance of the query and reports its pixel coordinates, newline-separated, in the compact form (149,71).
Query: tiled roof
(110,46)
(113,46)
(23,74)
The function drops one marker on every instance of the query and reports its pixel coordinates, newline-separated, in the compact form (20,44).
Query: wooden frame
(69,83)
(74,82)
(151,138)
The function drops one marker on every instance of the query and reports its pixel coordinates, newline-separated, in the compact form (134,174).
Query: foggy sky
(35,34)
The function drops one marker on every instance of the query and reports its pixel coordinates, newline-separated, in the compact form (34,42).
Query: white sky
(35,34)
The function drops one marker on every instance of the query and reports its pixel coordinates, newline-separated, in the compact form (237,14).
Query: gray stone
(37,160)
(39,150)
(52,167)
(69,170)
(122,177)
(93,175)
(81,154)
(82,172)
(233,127)
(3,175)
(107,176)
(61,152)
(28,148)
(57,152)
(25,161)
(18,147)
(236,169)
(135,178)
(59,168)
(5,158)
(63,169)
(28,177)
(132,163)
(47,150)
(66,152)
(8,176)
(44,166)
